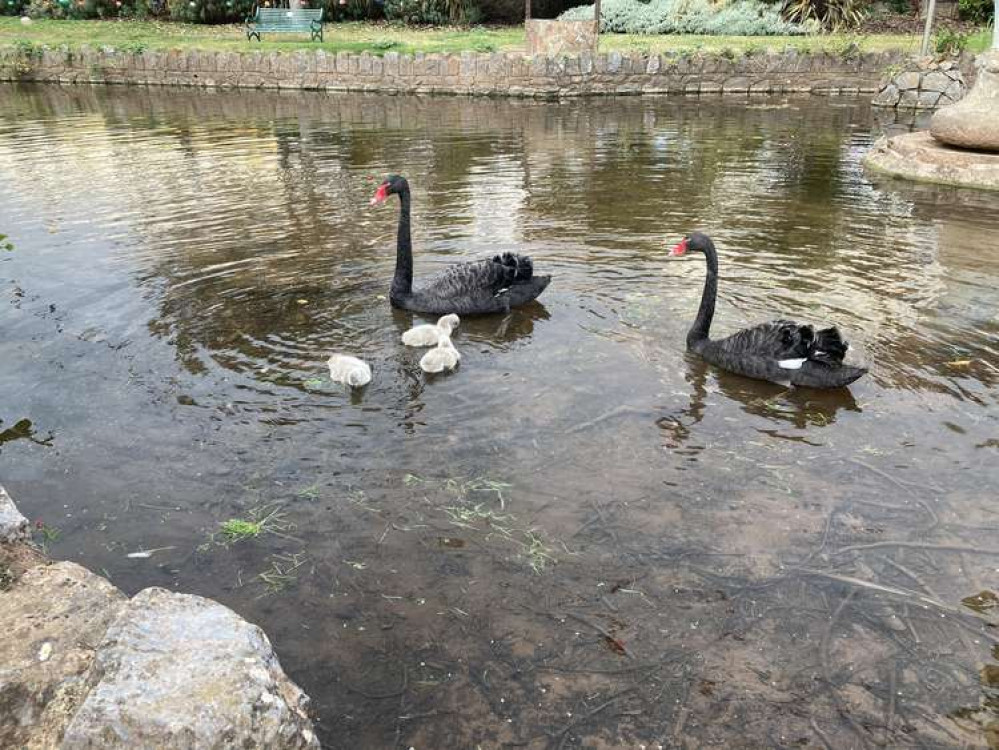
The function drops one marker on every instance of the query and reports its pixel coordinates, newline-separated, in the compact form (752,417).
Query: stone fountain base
(919,157)
(962,146)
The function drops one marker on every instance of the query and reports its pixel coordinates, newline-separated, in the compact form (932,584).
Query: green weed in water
(260,521)
(282,572)
(536,552)
(309,493)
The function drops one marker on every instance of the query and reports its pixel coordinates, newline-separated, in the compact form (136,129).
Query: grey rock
(909,99)
(887,96)
(955,90)
(907,80)
(13,526)
(928,99)
(974,121)
(176,670)
(614,62)
(935,81)
(52,620)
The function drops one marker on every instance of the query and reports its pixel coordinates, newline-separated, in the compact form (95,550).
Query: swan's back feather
(349,370)
(429,334)
(784,352)
(483,286)
(442,357)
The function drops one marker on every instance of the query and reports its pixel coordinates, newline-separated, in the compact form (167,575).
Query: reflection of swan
(801,409)
(487,286)
(349,370)
(429,334)
(442,357)
(780,351)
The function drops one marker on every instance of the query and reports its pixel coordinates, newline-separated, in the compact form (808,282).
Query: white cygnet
(349,370)
(429,334)
(443,357)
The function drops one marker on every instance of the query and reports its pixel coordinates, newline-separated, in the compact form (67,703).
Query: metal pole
(931,10)
(995,27)
(596,13)
(527,10)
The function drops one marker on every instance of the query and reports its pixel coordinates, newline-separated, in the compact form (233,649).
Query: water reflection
(185,262)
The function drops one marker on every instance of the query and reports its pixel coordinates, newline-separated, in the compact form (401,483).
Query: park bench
(285,21)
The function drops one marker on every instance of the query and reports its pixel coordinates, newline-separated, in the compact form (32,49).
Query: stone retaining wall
(502,74)
(926,84)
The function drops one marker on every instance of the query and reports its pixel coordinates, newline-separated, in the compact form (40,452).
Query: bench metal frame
(285,21)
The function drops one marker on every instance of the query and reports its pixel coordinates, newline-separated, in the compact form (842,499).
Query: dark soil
(912,24)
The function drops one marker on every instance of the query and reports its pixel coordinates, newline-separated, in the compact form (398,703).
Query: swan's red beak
(680,249)
(380,194)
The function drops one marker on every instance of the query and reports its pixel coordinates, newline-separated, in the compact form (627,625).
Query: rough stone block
(52,619)
(736,85)
(935,81)
(929,99)
(466,68)
(175,670)
(13,525)
(614,60)
(343,62)
(392,64)
(888,96)
(909,99)
(907,80)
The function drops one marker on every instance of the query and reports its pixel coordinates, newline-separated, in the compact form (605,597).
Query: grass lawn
(378,38)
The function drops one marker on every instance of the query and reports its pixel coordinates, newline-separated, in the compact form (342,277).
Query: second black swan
(780,351)
(490,285)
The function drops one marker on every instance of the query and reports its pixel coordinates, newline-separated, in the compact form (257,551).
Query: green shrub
(948,42)
(976,11)
(738,18)
(210,11)
(416,11)
(434,12)
(85,9)
(831,14)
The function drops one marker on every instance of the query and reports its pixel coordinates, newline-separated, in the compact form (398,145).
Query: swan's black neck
(402,282)
(698,333)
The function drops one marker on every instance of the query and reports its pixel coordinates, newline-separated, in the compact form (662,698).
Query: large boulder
(13,526)
(51,619)
(176,670)
(973,122)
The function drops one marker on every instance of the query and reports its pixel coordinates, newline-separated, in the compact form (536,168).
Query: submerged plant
(260,521)
(282,572)
(537,553)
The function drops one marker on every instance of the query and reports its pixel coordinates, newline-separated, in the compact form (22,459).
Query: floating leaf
(981,602)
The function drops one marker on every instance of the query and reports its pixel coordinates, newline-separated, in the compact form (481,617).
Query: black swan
(780,351)
(480,287)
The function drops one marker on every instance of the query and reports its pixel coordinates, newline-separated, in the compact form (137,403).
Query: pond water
(584,537)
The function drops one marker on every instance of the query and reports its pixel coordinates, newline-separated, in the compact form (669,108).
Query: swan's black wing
(785,352)
(486,286)
(784,340)
(482,278)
